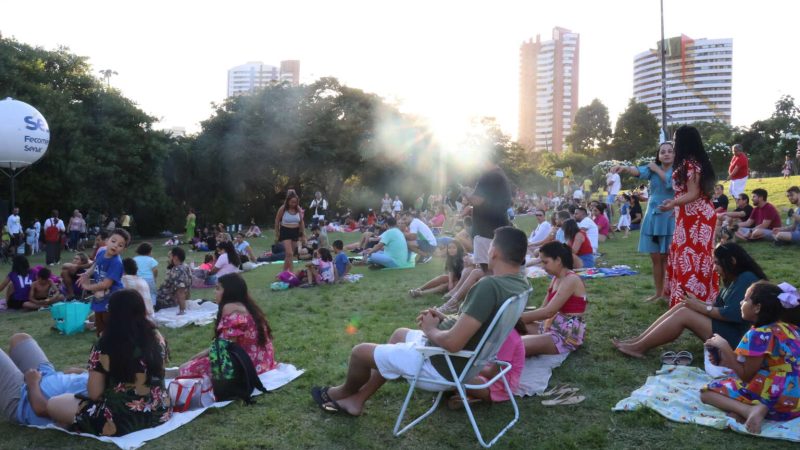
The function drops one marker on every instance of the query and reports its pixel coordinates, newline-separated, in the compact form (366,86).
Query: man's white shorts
(403,360)
(480,250)
(737,187)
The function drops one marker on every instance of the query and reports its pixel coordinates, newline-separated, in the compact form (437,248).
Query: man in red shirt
(738,171)
(762,220)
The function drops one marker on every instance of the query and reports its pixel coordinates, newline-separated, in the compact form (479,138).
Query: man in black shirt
(727,221)
(490,202)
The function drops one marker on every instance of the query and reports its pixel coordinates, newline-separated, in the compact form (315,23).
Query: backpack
(51,233)
(233,374)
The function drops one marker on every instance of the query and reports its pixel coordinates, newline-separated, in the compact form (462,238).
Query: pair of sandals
(415,293)
(325,402)
(681,358)
(563,395)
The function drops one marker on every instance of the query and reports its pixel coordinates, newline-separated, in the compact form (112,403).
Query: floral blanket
(674,392)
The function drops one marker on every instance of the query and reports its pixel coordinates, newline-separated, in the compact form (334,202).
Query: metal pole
(13,198)
(663,77)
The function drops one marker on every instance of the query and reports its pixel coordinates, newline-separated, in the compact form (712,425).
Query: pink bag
(189,393)
(289,278)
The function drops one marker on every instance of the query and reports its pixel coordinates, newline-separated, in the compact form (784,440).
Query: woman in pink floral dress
(239,320)
(690,265)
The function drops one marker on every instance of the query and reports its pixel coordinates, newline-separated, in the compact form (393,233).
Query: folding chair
(485,353)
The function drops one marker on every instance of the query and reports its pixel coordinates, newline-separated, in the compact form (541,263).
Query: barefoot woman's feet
(754,419)
(626,349)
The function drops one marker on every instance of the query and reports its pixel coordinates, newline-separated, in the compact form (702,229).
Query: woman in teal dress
(657,227)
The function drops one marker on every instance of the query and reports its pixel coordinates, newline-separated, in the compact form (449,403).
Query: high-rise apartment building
(548,90)
(254,75)
(699,80)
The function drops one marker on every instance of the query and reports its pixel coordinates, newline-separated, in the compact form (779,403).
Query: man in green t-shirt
(392,250)
(372,364)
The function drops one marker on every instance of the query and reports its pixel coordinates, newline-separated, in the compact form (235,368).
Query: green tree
(635,134)
(103,152)
(766,142)
(591,130)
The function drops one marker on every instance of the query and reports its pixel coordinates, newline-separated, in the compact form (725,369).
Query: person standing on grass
(690,265)
(613,185)
(191,223)
(289,227)
(106,276)
(14,226)
(53,230)
(738,171)
(371,365)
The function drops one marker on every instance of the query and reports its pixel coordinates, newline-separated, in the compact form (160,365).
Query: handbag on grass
(189,393)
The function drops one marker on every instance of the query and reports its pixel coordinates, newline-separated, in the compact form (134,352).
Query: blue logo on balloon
(35,124)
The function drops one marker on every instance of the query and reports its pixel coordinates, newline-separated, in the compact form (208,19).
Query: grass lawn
(309,330)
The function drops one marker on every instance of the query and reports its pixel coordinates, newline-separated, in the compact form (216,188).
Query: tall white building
(254,75)
(548,90)
(699,80)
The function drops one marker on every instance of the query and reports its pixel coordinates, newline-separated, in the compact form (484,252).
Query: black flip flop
(325,402)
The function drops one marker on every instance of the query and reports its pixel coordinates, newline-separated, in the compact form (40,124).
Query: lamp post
(663,78)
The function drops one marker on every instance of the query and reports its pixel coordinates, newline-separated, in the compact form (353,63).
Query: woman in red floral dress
(690,266)
(239,320)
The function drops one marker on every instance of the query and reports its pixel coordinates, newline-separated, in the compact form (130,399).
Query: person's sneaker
(426,259)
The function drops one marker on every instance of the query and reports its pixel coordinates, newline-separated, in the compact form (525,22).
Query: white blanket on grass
(536,374)
(196,313)
(280,376)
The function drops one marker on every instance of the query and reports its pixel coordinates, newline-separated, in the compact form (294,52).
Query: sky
(444,60)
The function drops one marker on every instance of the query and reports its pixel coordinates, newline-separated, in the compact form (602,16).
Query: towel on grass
(196,313)
(275,378)
(674,392)
(536,374)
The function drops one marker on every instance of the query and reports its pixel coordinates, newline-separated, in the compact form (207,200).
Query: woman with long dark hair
(658,226)
(578,242)
(738,271)
(227,260)
(240,320)
(126,376)
(690,265)
(453,267)
(289,227)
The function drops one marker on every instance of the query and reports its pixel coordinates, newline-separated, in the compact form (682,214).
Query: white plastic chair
(485,353)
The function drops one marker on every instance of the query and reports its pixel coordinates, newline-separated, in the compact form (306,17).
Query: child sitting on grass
(132,281)
(341,263)
(18,284)
(44,292)
(453,266)
(766,363)
(72,270)
(320,269)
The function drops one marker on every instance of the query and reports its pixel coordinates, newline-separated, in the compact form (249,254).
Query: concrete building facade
(548,90)
(699,80)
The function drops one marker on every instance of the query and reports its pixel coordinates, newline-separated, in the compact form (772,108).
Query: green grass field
(309,331)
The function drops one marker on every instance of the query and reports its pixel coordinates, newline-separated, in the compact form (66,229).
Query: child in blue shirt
(106,275)
(341,262)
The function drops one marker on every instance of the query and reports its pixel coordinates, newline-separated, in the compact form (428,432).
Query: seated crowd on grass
(485,263)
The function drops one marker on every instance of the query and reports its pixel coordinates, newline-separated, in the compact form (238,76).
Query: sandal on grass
(559,389)
(683,358)
(325,402)
(668,358)
(565,399)
(414,293)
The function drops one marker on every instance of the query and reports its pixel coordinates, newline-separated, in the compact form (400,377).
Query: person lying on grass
(738,271)
(558,326)
(29,380)
(372,364)
(453,266)
(766,362)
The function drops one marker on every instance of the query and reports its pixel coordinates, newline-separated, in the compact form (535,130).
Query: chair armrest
(430,351)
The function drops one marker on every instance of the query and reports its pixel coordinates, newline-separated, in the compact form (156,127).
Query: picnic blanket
(536,374)
(674,392)
(197,313)
(599,272)
(275,378)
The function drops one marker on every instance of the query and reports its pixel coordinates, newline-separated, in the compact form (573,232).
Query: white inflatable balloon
(24,134)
